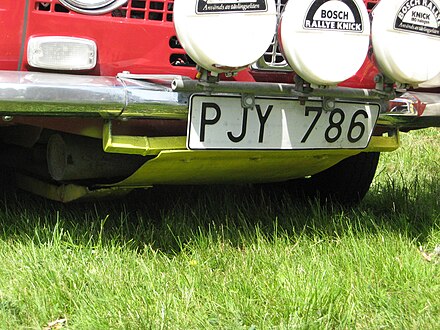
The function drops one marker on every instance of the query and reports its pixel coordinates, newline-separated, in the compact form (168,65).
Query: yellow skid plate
(200,167)
(189,167)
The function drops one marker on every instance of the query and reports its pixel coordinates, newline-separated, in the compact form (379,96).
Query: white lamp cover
(225,35)
(325,41)
(432,83)
(406,39)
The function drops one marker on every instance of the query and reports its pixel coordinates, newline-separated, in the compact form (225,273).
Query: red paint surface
(11,22)
(124,43)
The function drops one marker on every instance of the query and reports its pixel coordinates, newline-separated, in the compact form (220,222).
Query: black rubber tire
(345,183)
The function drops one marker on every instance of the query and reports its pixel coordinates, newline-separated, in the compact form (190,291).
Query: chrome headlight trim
(92,7)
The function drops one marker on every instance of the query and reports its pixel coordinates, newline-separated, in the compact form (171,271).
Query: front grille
(148,10)
(161,10)
(178,57)
(273,59)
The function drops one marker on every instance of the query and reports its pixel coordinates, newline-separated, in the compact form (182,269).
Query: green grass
(230,257)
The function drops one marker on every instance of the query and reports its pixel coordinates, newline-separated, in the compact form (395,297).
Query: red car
(101,97)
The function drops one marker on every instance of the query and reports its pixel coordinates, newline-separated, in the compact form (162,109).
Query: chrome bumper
(48,94)
(166,97)
(412,110)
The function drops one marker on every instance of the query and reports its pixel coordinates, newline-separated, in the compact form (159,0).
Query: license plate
(220,122)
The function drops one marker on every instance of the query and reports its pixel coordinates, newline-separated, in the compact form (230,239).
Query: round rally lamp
(225,35)
(406,39)
(434,82)
(325,41)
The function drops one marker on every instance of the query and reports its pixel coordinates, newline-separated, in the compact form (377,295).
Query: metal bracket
(139,145)
(384,84)
(247,101)
(328,103)
(204,75)
(300,90)
(301,85)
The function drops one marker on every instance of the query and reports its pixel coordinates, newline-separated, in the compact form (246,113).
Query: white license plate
(220,122)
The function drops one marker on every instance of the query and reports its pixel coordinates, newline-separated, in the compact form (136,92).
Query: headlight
(92,6)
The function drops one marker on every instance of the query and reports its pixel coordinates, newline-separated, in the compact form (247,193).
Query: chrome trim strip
(62,95)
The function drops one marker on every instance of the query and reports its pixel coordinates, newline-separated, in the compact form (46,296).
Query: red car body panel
(142,41)
(11,20)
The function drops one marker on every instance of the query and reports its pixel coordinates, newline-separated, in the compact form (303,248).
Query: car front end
(99,98)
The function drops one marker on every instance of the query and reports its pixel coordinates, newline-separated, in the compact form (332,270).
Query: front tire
(345,183)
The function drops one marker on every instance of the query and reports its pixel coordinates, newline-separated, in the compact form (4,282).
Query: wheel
(346,183)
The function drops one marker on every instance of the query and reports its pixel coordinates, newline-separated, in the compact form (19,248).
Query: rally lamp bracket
(264,89)
(206,76)
(247,101)
(383,83)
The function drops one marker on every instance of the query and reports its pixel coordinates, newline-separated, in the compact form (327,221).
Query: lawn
(230,257)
